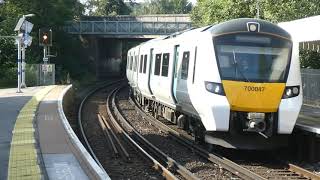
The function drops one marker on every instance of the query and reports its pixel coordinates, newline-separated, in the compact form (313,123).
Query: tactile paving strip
(23,160)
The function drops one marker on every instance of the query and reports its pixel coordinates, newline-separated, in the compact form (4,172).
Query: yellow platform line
(23,160)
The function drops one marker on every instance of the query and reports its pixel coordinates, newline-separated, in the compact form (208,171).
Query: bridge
(147,26)
(107,39)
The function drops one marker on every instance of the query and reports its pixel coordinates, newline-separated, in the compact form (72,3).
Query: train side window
(141,63)
(145,64)
(157,65)
(165,64)
(185,65)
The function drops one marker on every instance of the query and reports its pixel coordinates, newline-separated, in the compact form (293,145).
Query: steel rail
(156,151)
(106,129)
(124,151)
(215,158)
(87,144)
(157,165)
(305,173)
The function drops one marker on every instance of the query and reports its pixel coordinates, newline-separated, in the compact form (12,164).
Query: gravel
(193,162)
(117,168)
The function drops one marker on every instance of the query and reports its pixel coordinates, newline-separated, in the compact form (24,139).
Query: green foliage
(48,14)
(215,11)
(107,8)
(309,59)
(162,7)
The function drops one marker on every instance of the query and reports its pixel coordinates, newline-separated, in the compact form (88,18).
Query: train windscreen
(252,57)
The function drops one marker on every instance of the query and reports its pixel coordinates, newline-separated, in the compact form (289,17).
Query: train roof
(231,26)
(242,25)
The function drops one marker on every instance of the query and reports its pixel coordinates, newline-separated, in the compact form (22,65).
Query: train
(236,84)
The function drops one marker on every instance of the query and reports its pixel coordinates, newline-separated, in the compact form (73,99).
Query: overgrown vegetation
(48,14)
(71,58)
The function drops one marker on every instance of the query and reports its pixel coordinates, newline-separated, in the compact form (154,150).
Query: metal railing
(311,86)
(125,27)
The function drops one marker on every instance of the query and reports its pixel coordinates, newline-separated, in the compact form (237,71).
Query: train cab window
(141,63)
(131,62)
(165,64)
(145,63)
(157,65)
(185,65)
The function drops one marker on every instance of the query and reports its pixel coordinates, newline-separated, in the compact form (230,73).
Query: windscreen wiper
(236,67)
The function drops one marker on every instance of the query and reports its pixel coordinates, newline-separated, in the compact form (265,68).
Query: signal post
(45,40)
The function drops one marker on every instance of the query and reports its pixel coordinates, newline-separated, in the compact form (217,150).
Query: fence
(311,86)
(40,74)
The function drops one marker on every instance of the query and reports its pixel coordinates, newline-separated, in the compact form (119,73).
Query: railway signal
(45,37)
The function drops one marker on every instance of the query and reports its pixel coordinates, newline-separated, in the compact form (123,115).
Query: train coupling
(256,122)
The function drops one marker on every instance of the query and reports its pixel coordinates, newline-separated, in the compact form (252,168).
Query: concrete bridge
(147,26)
(106,40)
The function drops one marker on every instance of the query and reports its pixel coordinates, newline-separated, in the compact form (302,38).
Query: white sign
(27,40)
(24,25)
(27,26)
(46,67)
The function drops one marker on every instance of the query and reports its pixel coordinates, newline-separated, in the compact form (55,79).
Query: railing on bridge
(311,86)
(130,25)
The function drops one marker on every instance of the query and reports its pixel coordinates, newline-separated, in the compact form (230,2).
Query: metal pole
(44,62)
(258,9)
(23,83)
(19,65)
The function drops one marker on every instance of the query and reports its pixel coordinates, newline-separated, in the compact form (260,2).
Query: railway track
(92,113)
(163,162)
(261,170)
(123,155)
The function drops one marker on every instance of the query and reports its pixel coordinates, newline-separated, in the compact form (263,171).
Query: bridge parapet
(130,25)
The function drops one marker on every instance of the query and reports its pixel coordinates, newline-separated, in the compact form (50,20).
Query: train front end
(260,78)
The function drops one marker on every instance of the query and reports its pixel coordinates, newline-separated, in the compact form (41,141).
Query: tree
(163,7)
(107,7)
(309,59)
(215,11)
(50,13)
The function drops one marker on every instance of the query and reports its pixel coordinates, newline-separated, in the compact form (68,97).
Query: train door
(182,75)
(150,69)
(175,71)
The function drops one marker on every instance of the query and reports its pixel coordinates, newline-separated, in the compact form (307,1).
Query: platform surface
(309,119)
(58,156)
(10,106)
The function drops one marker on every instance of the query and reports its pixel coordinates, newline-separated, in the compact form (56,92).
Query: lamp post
(258,8)
(23,50)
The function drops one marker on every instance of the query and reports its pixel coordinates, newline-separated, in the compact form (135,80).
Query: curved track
(111,147)
(274,169)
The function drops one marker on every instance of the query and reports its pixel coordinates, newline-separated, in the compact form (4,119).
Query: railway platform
(309,119)
(36,139)
(307,134)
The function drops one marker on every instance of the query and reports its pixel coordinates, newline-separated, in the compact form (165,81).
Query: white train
(236,84)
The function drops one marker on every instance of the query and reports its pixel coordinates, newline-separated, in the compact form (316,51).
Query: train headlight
(291,91)
(215,88)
